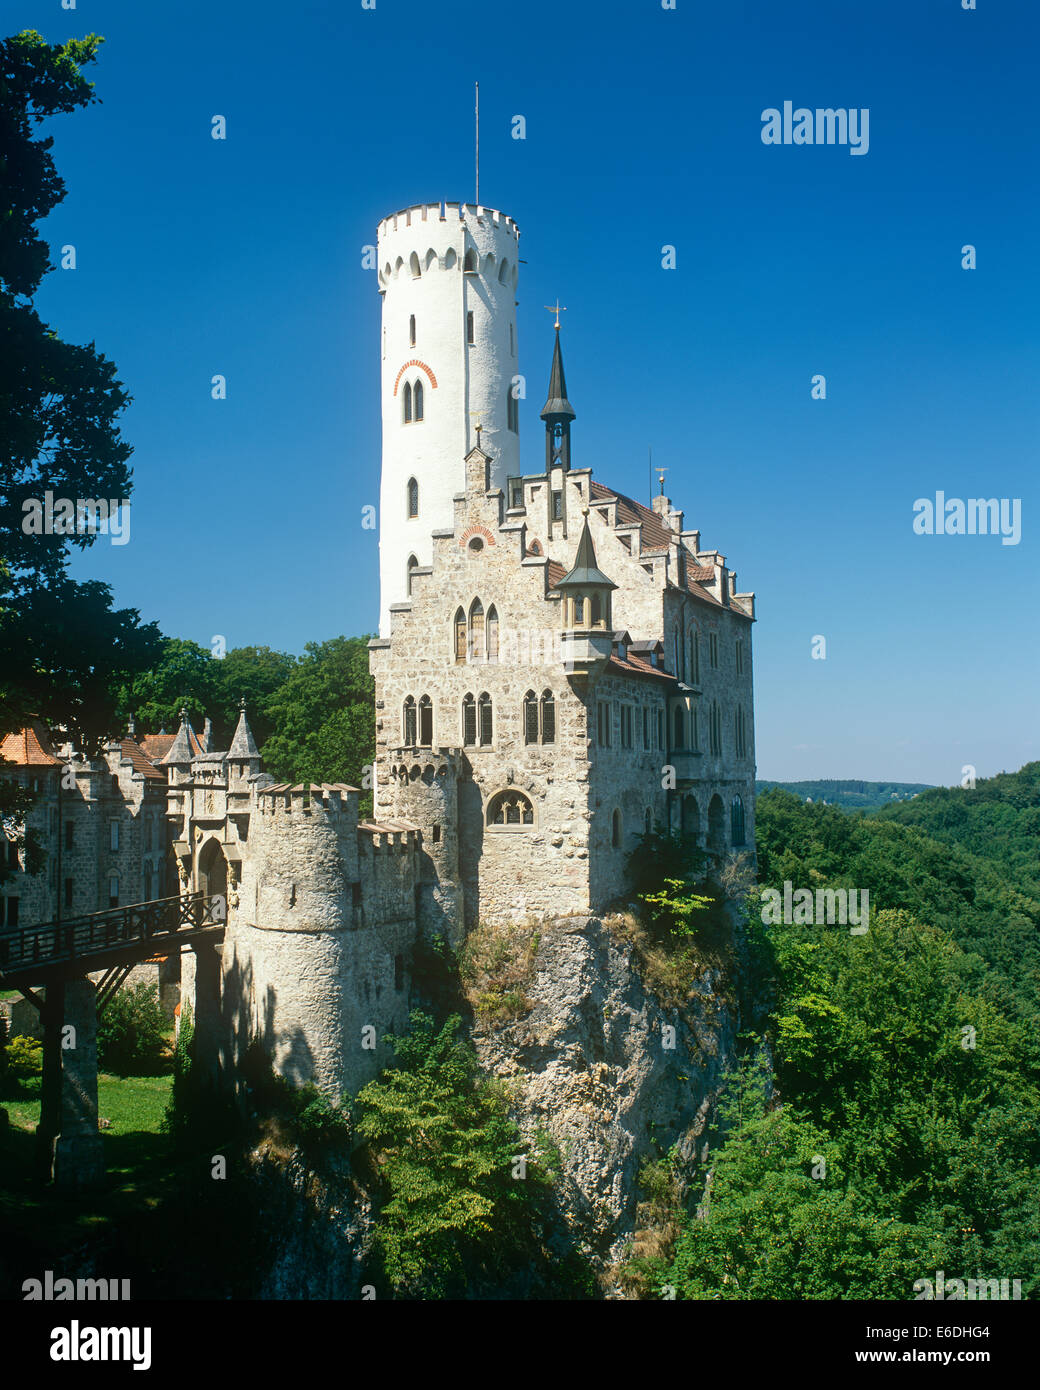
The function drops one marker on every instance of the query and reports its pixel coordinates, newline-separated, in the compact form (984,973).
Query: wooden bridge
(60,957)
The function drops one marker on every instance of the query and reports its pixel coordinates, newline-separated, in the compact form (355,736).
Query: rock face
(595,1065)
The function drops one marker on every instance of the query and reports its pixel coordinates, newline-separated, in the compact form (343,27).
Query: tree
(62,648)
(324,714)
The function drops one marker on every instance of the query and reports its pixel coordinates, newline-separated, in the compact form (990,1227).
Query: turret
(448,277)
(588,633)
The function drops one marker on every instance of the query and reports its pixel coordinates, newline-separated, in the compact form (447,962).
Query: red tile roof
(636,666)
(556,573)
(156,746)
(656,535)
(29,747)
(140,760)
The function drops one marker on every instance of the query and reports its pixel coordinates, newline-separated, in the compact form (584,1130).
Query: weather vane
(660,477)
(557,310)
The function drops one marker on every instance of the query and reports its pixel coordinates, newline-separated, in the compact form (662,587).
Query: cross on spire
(557,309)
(478,427)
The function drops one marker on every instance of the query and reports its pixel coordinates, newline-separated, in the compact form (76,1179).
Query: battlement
(283,799)
(419,213)
(423,764)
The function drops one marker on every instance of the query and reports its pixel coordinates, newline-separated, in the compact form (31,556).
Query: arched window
(450,259)
(413,265)
(548,717)
(411,330)
(408,402)
(503,273)
(418,398)
(469,327)
(530,717)
(412,564)
(425,722)
(535,548)
(677,732)
(484,721)
(736,820)
(695,657)
(597,611)
(492,633)
(460,636)
(469,265)
(413,498)
(510,808)
(409,722)
(476,630)
(615,830)
(739,732)
(512,413)
(469,721)
(431,258)
(715,729)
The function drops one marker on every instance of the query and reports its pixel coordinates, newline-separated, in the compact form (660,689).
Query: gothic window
(469,721)
(530,717)
(548,717)
(660,729)
(413,265)
(503,273)
(695,657)
(484,711)
(615,830)
(417,397)
(740,657)
(512,416)
(411,330)
(492,633)
(408,402)
(469,327)
(469,265)
(476,630)
(413,563)
(715,729)
(510,808)
(113,891)
(557,506)
(409,722)
(535,548)
(603,723)
(736,817)
(677,731)
(597,611)
(460,636)
(426,722)
(713,649)
(626,726)
(740,735)
(413,498)
(646,728)
(579,612)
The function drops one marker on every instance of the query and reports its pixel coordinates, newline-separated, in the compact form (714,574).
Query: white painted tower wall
(422,252)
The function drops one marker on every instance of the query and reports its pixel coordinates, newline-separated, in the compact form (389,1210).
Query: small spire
(181,749)
(557,407)
(243,745)
(585,572)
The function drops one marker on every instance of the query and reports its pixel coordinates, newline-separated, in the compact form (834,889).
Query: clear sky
(643,129)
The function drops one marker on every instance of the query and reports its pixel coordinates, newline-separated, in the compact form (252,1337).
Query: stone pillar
(208,1047)
(51,1018)
(78,1158)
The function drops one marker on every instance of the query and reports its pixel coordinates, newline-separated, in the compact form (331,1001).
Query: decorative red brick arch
(415,363)
(471,531)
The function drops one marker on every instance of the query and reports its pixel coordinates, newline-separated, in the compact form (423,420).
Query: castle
(560,668)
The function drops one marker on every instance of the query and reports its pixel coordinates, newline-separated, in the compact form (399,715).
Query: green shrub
(24,1065)
(131,1031)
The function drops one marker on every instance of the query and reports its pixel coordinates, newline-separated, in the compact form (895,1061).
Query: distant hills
(851,795)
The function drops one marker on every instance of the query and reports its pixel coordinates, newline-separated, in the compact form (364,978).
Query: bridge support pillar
(204,973)
(78,1158)
(52,1018)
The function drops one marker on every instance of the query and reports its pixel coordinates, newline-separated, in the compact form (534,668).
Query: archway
(213,870)
(716,825)
(691,818)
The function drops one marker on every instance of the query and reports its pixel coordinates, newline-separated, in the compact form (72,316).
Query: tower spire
(557,411)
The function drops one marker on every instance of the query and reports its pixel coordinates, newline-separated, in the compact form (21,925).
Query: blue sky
(243,257)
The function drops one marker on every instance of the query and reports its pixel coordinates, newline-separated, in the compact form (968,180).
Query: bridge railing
(78,938)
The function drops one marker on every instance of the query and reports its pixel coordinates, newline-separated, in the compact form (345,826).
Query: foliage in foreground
(445,1149)
(131,1033)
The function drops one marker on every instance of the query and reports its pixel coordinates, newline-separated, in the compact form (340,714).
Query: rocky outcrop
(613,1075)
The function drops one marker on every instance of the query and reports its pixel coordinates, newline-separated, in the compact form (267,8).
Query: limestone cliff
(594,1064)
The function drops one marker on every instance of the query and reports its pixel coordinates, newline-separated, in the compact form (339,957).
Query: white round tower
(448,276)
